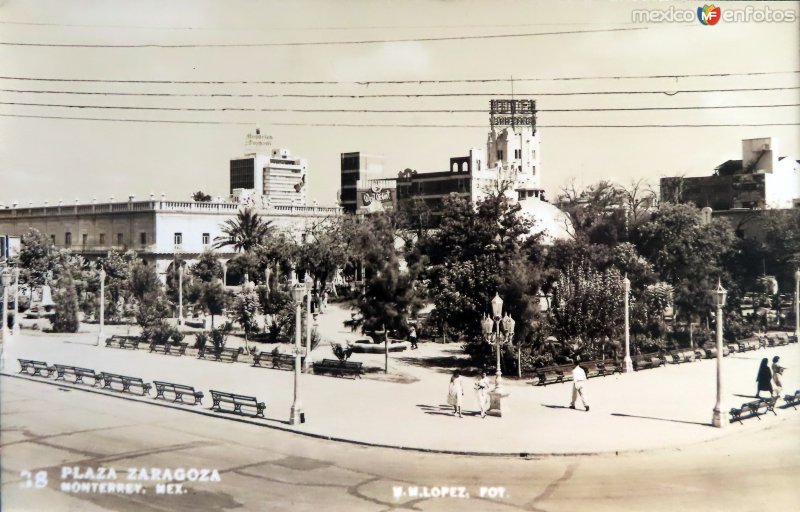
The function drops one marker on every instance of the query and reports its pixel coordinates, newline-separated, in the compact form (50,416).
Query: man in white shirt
(578,381)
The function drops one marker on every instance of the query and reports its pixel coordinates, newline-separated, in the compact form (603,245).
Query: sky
(345,42)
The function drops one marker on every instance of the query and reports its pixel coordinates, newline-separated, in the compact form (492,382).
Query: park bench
(339,367)
(177,390)
(110,379)
(646,361)
(122,342)
(353,323)
(176,349)
(781,339)
(554,374)
(591,369)
(792,400)
(609,367)
(733,347)
(750,409)
(792,338)
(281,361)
(226,354)
(676,358)
(237,401)
(62,371)
(35,368)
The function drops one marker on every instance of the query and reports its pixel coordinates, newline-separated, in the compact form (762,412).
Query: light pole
(180,293)
(497,395)
(100,334)
(306,364)
(6,280)
(720,419)
(628,362)
(508,327)
(296,414)
(15,326)
(796,303)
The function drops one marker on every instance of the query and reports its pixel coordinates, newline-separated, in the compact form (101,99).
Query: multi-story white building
(278,177)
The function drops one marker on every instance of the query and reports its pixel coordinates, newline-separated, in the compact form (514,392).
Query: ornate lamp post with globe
(101,335)
(498,394)
(797,303)
(15,325)
(296,414)
(720,419)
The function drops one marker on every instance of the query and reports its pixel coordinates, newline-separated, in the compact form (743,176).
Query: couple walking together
(455,394)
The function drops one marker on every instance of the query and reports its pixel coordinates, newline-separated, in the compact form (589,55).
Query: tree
(36,258)
(244,233)
(325,251)
(245,307)
(213,299)
(65,318)
(201,197)
(208,268)
(686,254)
(143,281)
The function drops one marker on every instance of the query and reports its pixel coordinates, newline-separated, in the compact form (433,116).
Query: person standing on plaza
(412,337)
(764,378)
(777,375)
(482,391)
(455,394)
(578,382)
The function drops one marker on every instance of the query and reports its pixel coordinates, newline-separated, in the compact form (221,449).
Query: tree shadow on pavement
(661,419)
(443,364)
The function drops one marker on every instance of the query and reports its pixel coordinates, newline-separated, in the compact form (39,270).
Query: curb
(521,454)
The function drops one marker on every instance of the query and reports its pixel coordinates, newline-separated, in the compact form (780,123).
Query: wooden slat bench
(122,342)
(125,383)
(230,355)
(177,391)
(750,409)
(280,361)
(35,368)
(554,374)
(238,402)
(609,367)
(792,400)
(78,373)
(339,367)
(646,361)
(175,349)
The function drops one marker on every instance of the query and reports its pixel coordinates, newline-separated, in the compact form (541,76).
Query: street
(47,428)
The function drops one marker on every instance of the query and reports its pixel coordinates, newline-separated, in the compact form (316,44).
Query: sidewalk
(665,407)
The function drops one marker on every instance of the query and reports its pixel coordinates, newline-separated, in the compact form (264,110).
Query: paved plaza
(660,408)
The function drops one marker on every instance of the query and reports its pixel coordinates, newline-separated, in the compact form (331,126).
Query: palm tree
(246,232)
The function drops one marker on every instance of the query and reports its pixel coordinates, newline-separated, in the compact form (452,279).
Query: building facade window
(53,239)
(178,239)
(102,239)
(67,239)
(84,239)
(119,239)
(517,153)
(143,238)
(499,154)
(206,239)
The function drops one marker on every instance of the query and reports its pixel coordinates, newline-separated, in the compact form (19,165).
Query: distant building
(278,177)
(760,180)
(357,167)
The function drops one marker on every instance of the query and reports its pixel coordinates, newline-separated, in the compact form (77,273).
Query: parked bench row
(761,406)
(563,373)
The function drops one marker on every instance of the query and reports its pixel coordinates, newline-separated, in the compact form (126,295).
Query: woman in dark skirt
(764,378)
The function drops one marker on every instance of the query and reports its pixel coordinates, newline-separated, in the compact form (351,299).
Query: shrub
(65,318)
(200,340)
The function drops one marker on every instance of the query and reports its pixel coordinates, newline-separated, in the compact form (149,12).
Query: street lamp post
(720,419)
(628,362)
(296,414)
(497,404)
(6,280)
(100,334)
(306,364)
(180,293)
(508,327)
(797,303)
(15,325)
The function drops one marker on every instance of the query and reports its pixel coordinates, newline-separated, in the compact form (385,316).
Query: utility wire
(392,95)
(347,125)
(383,111)
(393,82)
(317,43)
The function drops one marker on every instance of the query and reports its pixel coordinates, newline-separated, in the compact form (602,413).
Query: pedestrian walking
(324,301)
(482,392)
(412,337)
(578,382)
(777,375)
(455,395)
(764,378)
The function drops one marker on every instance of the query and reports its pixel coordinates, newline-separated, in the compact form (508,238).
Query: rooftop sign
(512,113)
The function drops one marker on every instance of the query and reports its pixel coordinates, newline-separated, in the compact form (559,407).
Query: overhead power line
(360,125)
(389,95)
(393,82)
(319,43)
(381,111)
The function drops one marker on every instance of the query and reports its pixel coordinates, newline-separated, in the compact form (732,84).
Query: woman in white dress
(455,394)
(482,390)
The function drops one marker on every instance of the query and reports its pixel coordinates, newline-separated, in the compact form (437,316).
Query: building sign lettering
(512,112)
